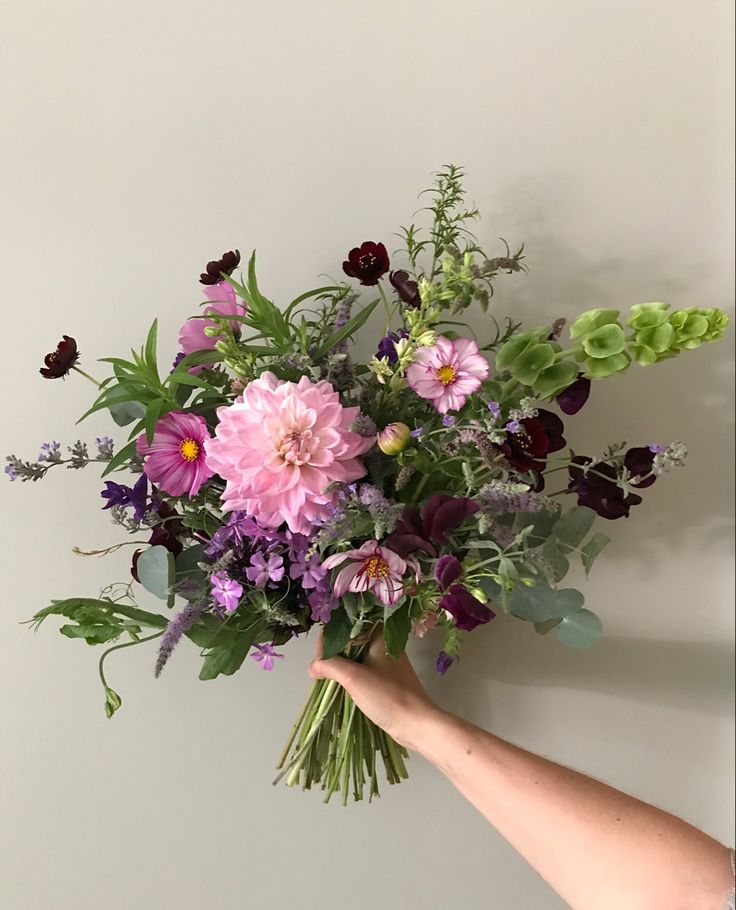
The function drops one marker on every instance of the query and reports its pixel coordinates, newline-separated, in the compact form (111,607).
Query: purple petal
(447,570)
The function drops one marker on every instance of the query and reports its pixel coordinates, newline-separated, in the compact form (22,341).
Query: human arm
(597,847)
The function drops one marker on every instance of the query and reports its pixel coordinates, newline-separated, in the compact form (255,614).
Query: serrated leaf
(396,631)
(580,629)
(155,569)
(336,633)
(92,633)
(592,549)
(542,602)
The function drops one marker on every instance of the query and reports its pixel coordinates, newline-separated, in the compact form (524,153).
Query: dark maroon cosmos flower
(59,362)
(405,287)
(213,272)
(571,399)
(367,262)
(468,611)
(538,437)
(598,489)
(427,529)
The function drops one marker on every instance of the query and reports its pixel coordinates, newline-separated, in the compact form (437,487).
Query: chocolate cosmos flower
(598,489)
(427,530)
(571,399)
(407,289)
(213,272)
(59,362)
(537,437)
(367,262)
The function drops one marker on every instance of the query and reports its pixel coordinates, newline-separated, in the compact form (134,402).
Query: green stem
(87,376)
(386,306)
(127,644)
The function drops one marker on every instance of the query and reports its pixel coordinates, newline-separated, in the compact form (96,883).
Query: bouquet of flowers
(280,484)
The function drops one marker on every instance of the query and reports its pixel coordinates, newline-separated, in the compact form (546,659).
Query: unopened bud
(394,438)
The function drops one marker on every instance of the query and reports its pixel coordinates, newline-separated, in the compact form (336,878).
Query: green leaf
(396,630)
(542,602)
(228,659)
(149,355)
(591,320)
(120,457)
(126,412)
(544,627)
(92,633)
(349,328)
(580,630)
(336,633)
(196,359)
(556,559)
(572,528)
(155,569)
(592,550)
(317,292)
(186,562)
(153,412)
(527,366)
(541,523)
(116,395)
(143,617)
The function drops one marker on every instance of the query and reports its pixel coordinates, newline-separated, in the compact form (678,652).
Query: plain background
(142,139)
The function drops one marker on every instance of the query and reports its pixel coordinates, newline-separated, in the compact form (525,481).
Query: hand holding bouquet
(282,484)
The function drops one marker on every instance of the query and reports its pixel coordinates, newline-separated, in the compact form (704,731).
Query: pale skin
(636,856)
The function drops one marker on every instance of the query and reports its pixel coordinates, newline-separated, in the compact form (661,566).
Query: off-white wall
(141,139)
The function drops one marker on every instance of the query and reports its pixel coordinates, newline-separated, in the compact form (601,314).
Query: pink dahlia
(175,459)
(280,446)
(372,568)
(224,303)
(447,372)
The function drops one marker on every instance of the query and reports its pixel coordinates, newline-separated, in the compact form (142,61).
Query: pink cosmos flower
(175,459)
(447,372)
(372,568)
(280,446)
(225,303)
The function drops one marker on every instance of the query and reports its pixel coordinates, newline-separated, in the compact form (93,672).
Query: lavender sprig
(176,628)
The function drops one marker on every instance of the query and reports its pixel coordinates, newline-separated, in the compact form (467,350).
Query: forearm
(597,847)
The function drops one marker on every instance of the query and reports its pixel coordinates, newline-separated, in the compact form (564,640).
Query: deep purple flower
(467,611)
(639,462)
(118,494)
(447,570)
(443,662)
(177,360)
(368,262)
(226,591)
(213,272)
(537,437)
(387,345)
(59,362)
(265,568)
(571,399)
(427,530)
(598,489)
(405,287)
(265,655)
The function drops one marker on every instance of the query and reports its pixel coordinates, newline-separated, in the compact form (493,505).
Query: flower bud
(212,331)
(479,594)
(394,438)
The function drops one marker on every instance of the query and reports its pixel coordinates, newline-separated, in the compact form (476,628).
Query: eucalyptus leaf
(543,602)
(126,412)
(572,527)
(155,569)
(592,549)
(580,630)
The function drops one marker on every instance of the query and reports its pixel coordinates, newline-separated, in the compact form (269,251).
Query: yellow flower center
(446,374)
(376,567)
(189,449)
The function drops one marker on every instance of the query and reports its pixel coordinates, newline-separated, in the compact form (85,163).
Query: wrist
(428,730)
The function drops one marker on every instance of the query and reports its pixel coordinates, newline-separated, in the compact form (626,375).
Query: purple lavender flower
(444,662)
(495,408)
(11,472)
(513,426)
(656,449)
(50,451)
(264,568)
(104,447)
(387,345)
(265,656)
(226,591)
(177,627)
(448,420)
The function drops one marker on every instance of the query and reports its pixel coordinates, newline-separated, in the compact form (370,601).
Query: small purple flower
(656,449)
(513,426)
(104,446)
(418,433)
(116,494)
(387,345)
(265,656)
(323,602)
(177,360)
(495,408)
(448,420)
(444,662)
(50,451)
(265,568)
(139,498)
(226,591)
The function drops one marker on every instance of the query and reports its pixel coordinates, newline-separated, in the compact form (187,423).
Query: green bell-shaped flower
(516,346)
(647,315)
(693,327)
(590,320)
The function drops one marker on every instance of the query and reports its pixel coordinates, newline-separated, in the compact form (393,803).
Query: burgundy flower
(598,489)
(405,287)
(367,262)
(639,462)
(428,529)
(467,611)
(537,437)
(571,399)
(213,272)
(447,570)
(59,362)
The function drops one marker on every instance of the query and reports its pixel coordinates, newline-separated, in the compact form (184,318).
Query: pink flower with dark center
(372,568)
(447,372)
(175,459)
(280,446)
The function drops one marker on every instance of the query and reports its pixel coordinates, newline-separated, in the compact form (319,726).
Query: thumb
(338,668)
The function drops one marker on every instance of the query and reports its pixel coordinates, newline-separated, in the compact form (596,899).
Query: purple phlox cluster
(387,345)
(265,567)
(226,592)
(177,627)
(240,528)
(314,578)
(503,498)
(118,494)
(51,452)
(264,655)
